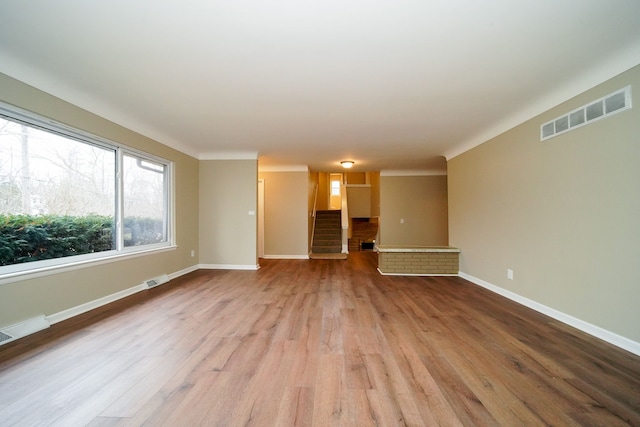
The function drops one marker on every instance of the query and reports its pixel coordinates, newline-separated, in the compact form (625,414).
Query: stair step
(327,238)
(327,243)
(325,233)
(326,250)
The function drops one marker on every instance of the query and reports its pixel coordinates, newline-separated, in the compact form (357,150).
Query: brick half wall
(418,261)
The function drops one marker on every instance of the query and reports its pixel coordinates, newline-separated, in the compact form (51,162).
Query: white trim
(23,271)
(229,155)
(415,274)
(91,305)
(183,272)
(261,198)
(284,168)
(229,266)
(596,331)
(17,69)
(285,256)
(157,281)
(24,328)
(417,249)
(70,266)
(392,172)
(624,60)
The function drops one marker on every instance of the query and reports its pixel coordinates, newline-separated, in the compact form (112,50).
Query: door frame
(261,218)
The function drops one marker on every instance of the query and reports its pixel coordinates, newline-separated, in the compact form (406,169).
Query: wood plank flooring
(316,342)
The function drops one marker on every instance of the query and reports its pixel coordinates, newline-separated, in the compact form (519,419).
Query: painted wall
(359,200)
(358,196)
(59,291)
(356,178)
(371,178)
(421,203)
(228,213)
(563,214)
(374,180)
(323,191)
(286,223)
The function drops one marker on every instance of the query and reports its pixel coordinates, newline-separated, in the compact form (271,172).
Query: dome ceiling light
(347,164)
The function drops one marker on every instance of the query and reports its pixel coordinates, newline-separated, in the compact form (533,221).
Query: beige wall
(359,195)
(57,292)
(323,191)
(355,178)
(228,213)
(371,178)
(359,201)
(421,201)
(563,214)
(286,224)
(374,180)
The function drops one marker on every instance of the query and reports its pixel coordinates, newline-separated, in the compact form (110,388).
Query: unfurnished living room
(218,213)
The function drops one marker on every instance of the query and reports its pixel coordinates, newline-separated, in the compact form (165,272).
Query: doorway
(335,191)
(261,218)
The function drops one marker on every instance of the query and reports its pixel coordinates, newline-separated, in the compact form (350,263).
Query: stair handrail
(315,200)
(313,215)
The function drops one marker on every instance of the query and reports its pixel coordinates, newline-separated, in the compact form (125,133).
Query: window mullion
(119,214)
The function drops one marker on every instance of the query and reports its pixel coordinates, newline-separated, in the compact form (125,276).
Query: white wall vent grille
(22,329)
(613,103)
(5,337)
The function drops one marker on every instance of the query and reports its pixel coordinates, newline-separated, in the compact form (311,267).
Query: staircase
(327,237)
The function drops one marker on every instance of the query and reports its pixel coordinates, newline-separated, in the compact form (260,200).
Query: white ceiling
(390,84)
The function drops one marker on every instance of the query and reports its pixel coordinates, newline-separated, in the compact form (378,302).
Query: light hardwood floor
(317,342)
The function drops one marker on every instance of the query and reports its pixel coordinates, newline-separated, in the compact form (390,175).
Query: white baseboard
(596,331)
(83,308)
(183,272)
(228,267)
(24,328)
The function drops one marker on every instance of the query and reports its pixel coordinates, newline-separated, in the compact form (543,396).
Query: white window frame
(28,270)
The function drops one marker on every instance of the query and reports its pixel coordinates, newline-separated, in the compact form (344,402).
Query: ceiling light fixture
(347,164)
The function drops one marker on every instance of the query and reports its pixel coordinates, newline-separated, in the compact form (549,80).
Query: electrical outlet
(509,274)
(401,220)
(193,253)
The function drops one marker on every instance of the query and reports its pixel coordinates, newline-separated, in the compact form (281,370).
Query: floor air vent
(5,337)
(23,329)
(157,281)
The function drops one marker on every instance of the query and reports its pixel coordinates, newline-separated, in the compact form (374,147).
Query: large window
(67,196)
(145,204)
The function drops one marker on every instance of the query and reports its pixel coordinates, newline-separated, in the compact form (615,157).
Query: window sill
(77,265)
